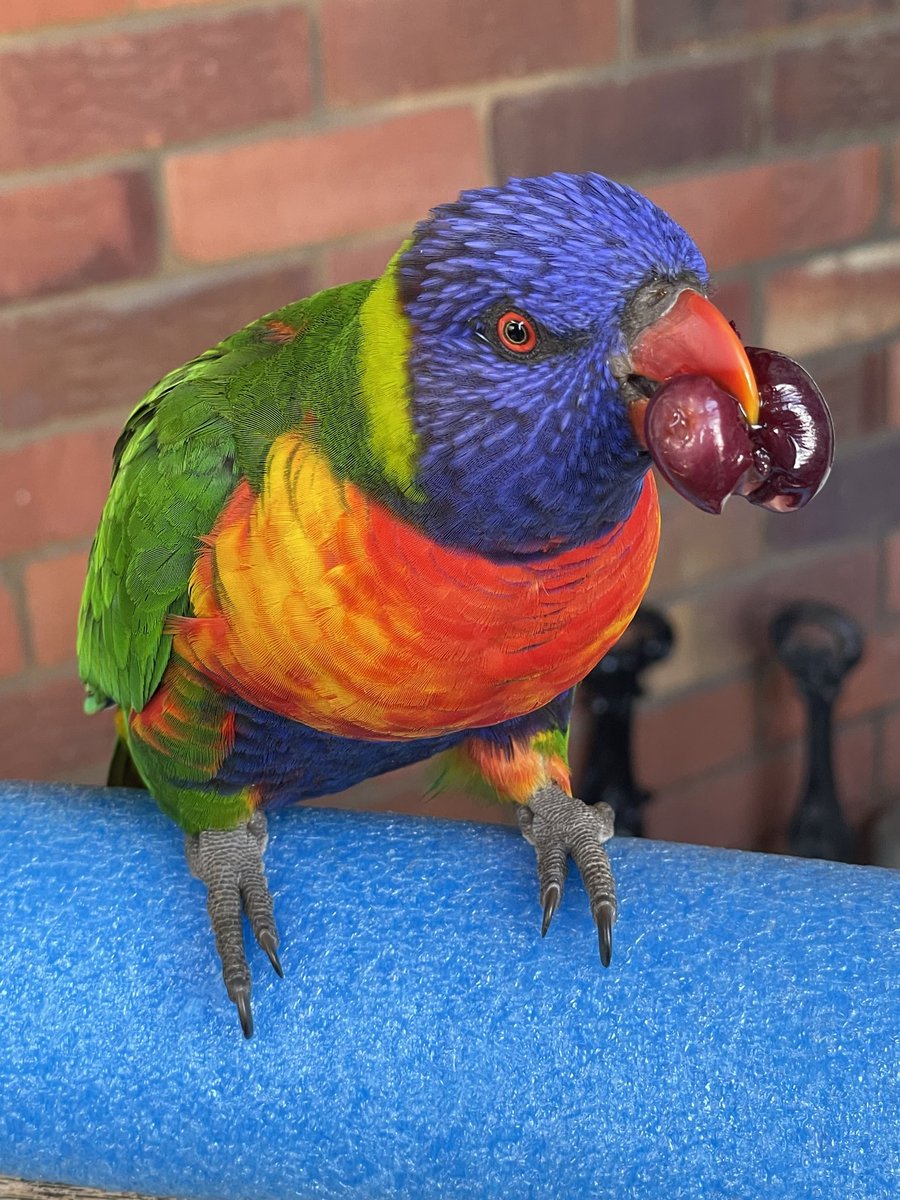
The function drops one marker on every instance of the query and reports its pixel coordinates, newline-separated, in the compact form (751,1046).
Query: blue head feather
(516,454)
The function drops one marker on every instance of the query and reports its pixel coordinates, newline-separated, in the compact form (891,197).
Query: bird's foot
(230,863)
(560,826)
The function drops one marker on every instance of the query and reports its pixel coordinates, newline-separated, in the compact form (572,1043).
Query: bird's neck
(385,340)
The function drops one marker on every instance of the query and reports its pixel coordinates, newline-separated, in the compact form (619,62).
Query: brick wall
(170,169)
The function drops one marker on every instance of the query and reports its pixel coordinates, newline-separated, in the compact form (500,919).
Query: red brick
(740,807)
(44,733)
(53,589)
(269,195)
(91,774)
(889,783)
(154,4)
(735,298)
(892,383)
(362,260)
(724,629)
(107,353)
(856,386)
(145,88)
(400,46)
(695,546)
(19,15)
(749,806)
(861,498)
(694,733)
(12,654)
(892,572)
(664,24)
(580,728)
(872,685)
(782,711)
(854,768)
(759,212)
(876,681)
(849,296)
(847,578)
(847,84)
(409,791)
(618,127)
(62,236)
(53,490)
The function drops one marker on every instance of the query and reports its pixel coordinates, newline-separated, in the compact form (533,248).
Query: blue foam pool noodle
(425,1041)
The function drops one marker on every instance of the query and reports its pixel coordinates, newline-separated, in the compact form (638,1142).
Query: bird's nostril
(646,387)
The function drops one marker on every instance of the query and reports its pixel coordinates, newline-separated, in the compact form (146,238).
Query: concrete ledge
(426,1042)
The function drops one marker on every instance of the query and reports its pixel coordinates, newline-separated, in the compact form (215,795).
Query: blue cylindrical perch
(425,1042)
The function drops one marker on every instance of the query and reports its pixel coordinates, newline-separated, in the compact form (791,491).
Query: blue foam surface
(425,1042)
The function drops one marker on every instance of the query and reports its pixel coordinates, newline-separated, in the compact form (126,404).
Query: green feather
(145,546)
(207,426)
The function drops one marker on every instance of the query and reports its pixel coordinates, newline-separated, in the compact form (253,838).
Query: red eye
(516,332)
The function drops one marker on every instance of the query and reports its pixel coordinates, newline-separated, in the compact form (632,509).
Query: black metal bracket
(611,688)
(820,645)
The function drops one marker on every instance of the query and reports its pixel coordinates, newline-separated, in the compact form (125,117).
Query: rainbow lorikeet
(398,519)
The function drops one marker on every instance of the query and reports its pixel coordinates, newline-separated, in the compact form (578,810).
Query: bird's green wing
(173,469)
(201,430)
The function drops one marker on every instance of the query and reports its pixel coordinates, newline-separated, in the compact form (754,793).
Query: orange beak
(694,338)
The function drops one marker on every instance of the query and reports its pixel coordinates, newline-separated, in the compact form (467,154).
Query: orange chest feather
(316,603)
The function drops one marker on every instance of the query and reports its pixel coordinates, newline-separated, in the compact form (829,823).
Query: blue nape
(426,1041)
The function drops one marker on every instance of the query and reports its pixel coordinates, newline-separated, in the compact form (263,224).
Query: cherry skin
(794,440)
(699,439)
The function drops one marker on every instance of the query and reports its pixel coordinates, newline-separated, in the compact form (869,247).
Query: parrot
(399,520)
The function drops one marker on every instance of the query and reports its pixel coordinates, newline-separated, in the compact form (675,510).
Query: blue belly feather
(292,762)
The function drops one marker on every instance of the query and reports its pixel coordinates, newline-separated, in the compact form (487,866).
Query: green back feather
(173,468)
(208,425)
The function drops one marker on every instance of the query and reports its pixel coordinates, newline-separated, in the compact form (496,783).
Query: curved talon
(550,901)
(229,862)
(605,917)
(241,997)
(559,827)
(269,943)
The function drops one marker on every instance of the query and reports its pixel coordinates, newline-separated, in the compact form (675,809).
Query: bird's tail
(122,771)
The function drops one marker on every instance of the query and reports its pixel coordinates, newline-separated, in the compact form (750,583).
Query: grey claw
(560,827)
(241,998)
(229,862)
(551,903)
(605,917)
(270,944)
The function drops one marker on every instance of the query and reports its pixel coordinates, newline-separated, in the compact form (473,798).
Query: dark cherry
(699,439)
(703,446)
(794,440)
